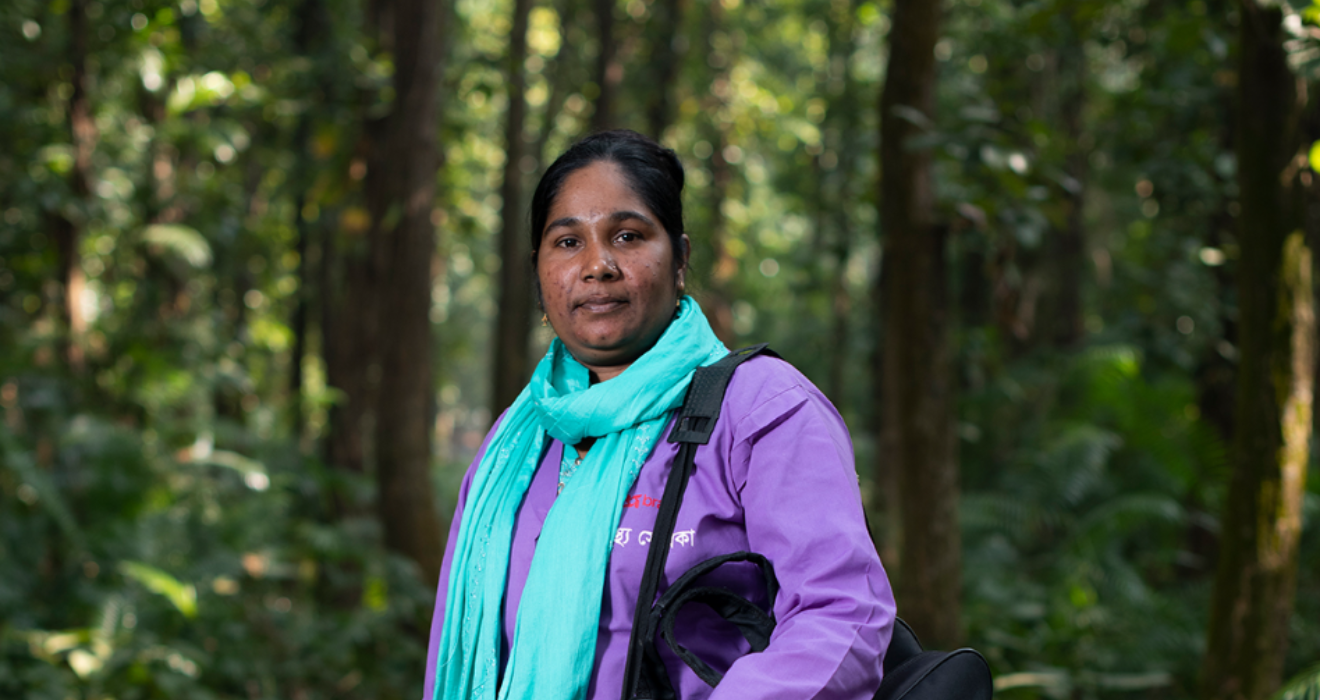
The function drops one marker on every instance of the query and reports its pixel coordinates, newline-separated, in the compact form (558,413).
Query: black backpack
(909,672)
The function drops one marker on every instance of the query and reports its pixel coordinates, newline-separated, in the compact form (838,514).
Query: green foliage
(166,531)
(198,581)
(1078,573)
(182,596)
(1303,686)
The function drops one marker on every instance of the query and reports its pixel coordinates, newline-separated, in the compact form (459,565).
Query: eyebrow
(616,217)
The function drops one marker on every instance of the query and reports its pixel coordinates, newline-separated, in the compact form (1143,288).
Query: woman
(551,532)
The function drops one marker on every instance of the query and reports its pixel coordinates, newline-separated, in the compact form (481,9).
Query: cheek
(556,289)
(660,284)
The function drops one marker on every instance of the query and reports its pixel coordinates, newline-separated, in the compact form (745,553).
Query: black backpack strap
(909,672)
(705,396)
(694,426)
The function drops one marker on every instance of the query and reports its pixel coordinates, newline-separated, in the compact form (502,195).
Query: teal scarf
(554,645)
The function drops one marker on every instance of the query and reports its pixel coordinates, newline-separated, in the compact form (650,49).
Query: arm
(794,465)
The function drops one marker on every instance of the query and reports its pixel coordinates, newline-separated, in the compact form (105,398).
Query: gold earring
(544,320)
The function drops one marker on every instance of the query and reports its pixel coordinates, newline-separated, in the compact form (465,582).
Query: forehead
(598,189)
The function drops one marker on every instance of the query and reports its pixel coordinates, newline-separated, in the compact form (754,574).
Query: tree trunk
(298,322)
(715,299)
(665,58)
(917,431)
(349,284)
(1068,250)
(609,70)
(68,231)
(1255,583)
(838,196)
(347,329)
(400,188)
(561,84)
(311,27)
(511,367)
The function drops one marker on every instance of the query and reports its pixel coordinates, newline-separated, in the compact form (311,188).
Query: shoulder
(765,391)
(773,416)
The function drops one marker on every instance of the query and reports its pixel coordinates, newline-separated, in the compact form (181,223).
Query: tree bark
(347,327)
(66,225)
(1256,578)
(561,84)
(609,70)
(665,58)
(838,195)
(917,429)
(716,298)
(390,280)
(400,191)
(311,27)
(1068,250)
(512,356)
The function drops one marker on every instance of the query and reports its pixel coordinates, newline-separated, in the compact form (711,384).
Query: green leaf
(184,241)
(1305,685)
(376,594)
(254,472)
(182,595)
(50,497)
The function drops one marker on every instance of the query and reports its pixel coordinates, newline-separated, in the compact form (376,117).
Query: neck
(603,374)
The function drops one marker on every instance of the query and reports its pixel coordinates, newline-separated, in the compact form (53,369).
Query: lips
(601,304)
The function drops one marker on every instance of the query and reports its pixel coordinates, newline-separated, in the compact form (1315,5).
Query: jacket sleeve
(792,460)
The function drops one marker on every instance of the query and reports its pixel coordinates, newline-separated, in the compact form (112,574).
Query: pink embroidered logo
(641,501)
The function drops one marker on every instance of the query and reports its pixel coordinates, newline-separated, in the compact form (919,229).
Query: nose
(600,264)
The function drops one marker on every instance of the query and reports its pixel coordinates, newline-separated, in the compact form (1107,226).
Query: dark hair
(652,170)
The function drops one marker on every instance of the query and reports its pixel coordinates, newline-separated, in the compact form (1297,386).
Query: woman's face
(607,270)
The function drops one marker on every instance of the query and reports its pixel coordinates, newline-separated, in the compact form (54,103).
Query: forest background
(263,287)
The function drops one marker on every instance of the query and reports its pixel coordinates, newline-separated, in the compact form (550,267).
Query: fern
(1303,686)
(1076,529)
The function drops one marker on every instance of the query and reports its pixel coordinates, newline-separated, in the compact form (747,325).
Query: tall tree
(665,62)
(561,83)
(67,225)
(1063,316)
(1255,582)
(400,189)
(609,69)
(916,384)
(838,191)
(307,37)
(716,298)
(510,369)
(348,322)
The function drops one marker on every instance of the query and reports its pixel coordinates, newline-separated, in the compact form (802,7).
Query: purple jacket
(777,478)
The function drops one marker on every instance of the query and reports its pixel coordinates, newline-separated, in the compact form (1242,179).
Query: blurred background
(264,285)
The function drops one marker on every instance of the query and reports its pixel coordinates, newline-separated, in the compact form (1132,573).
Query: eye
(567,242)
(628,236)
